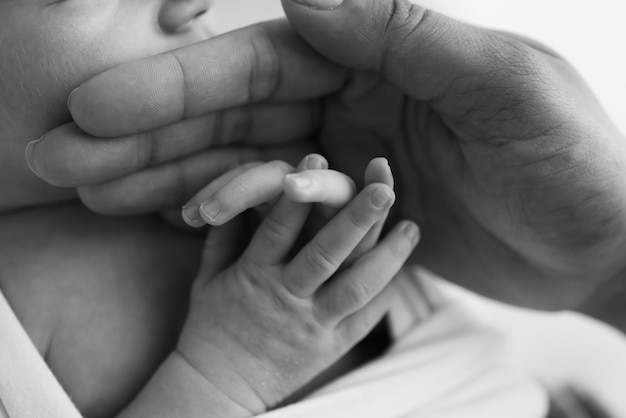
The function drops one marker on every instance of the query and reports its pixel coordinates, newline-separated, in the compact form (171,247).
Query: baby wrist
(219,374)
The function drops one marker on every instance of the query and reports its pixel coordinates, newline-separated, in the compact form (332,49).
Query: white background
(591,35)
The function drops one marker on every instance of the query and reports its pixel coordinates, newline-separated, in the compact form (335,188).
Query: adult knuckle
(265,73)
(232,125)
(402,18)
(154,105)
(242,126)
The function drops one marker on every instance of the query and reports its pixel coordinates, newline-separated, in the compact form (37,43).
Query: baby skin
(262,327)
(261,323)
(103,299)
(106,300)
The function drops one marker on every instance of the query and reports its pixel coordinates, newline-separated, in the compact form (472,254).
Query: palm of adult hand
(510,199)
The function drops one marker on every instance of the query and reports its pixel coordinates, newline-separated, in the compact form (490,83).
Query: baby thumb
(418,50)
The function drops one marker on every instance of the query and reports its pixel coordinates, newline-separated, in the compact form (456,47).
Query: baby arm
(263,323)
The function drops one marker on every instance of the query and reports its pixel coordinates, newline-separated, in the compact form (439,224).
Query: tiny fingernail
(320,4)
(411,230)
(69,98)
(301,182)
(191,216)
(315,162)
(381,197)
(29,153)
(210,210)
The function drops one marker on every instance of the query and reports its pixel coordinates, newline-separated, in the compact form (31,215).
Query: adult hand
(501,152)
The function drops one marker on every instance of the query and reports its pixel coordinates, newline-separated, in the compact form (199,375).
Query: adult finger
(324,254)
(264,62)
(427,55)
(67,156)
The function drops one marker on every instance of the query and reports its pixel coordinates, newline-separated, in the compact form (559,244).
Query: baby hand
(261,327)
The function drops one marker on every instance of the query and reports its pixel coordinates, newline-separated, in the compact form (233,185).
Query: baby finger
(191,210)
(328,187)
(355,287)
(326,252)
(251,188)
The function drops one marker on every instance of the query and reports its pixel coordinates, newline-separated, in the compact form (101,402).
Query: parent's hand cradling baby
(501,153)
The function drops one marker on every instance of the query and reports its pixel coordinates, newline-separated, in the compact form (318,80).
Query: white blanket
(447,365)
(444,364)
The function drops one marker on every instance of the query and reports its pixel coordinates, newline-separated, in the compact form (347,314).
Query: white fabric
(450,366)
(28,388)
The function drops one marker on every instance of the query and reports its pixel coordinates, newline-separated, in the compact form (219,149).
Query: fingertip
(191,216)
(378,170)
(315,162)
(81,103)
(29,154)
(381,195)
(411,231)
(297,186)
(70,100)
(210,211)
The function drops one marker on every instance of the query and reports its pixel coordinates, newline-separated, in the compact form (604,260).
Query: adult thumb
(420,51)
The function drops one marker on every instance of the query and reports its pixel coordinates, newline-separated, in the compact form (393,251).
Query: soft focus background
(562,347)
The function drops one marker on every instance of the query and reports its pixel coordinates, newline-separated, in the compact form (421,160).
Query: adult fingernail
(381,197)
(69,99)
(315,162)
(320,4)
(210,210)
(411,230)
(191,216)
(29,153)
